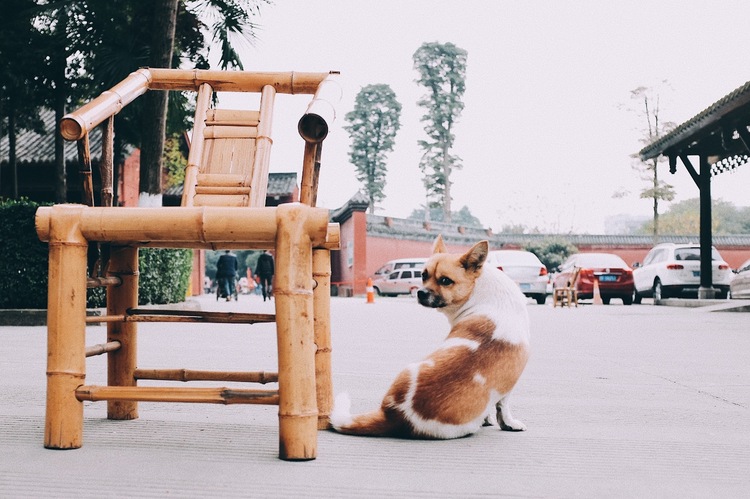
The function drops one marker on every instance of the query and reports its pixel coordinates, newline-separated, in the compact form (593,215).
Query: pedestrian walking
(265,270)
(226,271)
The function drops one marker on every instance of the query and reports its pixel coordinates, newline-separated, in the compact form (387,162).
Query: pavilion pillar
(706,289)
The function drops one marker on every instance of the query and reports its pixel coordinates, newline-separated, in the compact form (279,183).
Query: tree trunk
(12,161)
(447,190)
(155,104)
(656,203)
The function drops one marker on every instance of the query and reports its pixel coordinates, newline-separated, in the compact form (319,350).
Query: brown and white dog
(452,392)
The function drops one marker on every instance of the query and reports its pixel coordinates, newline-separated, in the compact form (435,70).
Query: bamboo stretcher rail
(195,227)
(101,348)
(219,395)
(186,375)
(97,282)
(203,316)
(76,124)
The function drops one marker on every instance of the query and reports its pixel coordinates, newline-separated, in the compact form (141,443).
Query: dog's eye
(425,275)
(444,281)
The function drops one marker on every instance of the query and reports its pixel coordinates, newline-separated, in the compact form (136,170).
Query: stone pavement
(637,401)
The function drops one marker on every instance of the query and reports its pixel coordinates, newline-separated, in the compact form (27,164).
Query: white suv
(671,269)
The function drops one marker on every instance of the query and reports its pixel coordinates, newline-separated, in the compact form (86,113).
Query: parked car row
(669,270)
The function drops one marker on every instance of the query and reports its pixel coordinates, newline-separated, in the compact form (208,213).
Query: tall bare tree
(648,107)
(442,71)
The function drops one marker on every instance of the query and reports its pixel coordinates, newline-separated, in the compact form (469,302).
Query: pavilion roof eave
(726,111)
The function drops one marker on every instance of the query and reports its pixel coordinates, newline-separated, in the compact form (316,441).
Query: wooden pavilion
(719,137)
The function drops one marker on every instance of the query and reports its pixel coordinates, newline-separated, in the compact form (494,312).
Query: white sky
(543,136)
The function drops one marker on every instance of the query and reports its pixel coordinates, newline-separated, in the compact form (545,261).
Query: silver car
(399,282)
(525,269)
(740,285)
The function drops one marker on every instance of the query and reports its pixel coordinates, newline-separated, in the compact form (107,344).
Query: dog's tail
(374,424)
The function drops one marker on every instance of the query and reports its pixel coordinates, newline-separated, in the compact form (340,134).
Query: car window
(394,275)
(651,256)
(687,254)
(406,274)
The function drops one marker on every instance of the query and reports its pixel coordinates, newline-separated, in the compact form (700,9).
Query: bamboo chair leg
(322,321)
(121,363)
(298,412)
(66,329)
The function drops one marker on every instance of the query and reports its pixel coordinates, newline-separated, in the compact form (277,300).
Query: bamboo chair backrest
(574,277)
(230,154)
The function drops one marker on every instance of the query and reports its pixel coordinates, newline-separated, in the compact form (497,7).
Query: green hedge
(164,273)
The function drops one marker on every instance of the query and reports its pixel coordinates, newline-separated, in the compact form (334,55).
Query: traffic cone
(370,291)
(597,294)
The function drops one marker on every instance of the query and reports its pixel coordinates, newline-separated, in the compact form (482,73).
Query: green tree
(648,108)
(683,218)
(373,124)
(552,252)
(442,71)
(463,216)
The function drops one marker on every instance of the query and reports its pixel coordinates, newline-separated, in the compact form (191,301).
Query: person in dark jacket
(226,271)
(265,270)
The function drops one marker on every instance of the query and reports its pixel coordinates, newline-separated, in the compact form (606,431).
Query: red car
(615,277)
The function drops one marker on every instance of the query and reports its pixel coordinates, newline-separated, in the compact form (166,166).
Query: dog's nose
(422,295)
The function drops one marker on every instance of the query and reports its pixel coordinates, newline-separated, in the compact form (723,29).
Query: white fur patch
(341,414)
(459,342)
(478,378)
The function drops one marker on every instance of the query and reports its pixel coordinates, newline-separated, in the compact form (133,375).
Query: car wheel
(722,295)
(635,299)
(541,299)
(377,290)
(627,300)
(658,291)
(606,300)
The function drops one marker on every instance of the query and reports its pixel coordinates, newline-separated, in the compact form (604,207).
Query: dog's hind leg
(505,418)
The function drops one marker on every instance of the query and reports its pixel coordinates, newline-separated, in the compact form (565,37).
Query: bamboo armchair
(222,207)
(568,294)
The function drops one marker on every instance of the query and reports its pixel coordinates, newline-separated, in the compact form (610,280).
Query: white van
(401,263)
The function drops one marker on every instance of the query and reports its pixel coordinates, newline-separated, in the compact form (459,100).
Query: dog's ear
(473,259)
(439,246)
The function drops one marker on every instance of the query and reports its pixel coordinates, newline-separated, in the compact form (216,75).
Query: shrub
(164,273)
(23,266)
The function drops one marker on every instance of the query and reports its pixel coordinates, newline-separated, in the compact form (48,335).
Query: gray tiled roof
(32,147)
(734,102)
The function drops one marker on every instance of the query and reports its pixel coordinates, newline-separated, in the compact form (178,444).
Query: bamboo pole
(288,82)
(84,170)
(121,363)
(133,394)
(205,316)
(310,173)
(106,164)
(66,312)
(298,412)
(186,375)
(321,112)
(75,125)
(203,101)
(98,282)
(101,348)
(322,326)
(263,148)
(197,227)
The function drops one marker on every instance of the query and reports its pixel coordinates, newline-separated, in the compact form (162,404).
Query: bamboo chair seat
(222,207)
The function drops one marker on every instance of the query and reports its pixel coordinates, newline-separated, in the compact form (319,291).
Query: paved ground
(638,401)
